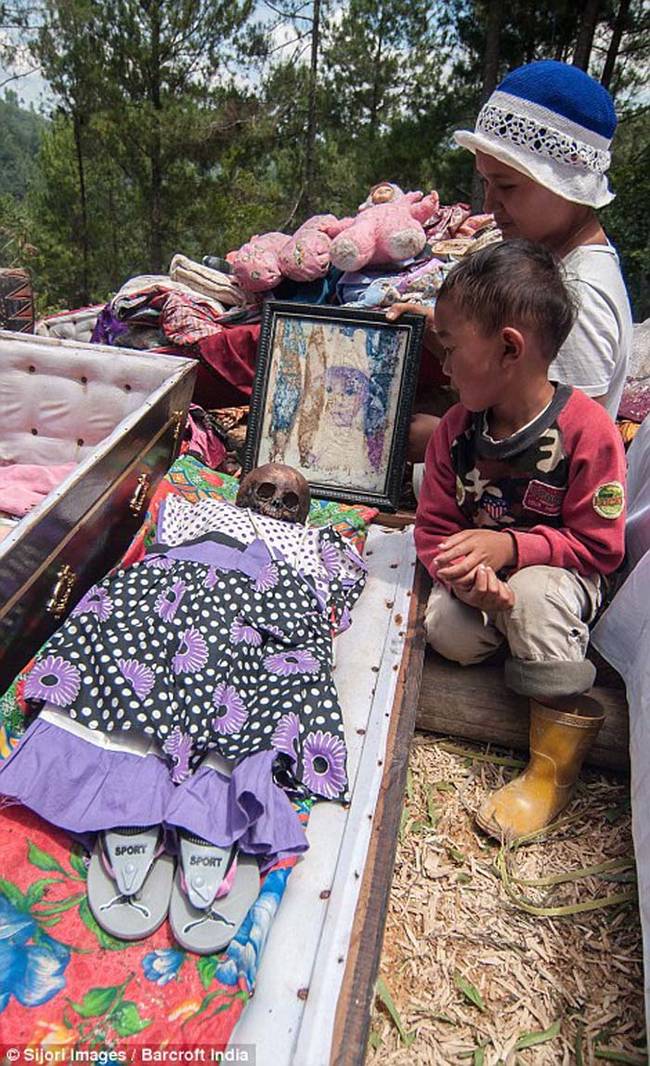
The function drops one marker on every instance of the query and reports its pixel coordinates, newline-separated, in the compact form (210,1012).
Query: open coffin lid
(119,416)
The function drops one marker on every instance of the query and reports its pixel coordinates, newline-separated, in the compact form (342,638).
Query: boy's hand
(477,547)
(488,592)
(395,310)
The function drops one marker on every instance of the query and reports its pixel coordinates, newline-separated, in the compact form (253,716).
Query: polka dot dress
(207,658)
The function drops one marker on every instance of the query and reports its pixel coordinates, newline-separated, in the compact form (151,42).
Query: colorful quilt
(66,983)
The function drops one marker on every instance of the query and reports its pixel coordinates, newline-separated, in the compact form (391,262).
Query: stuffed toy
(256,265)
(262,262)
(307,255)
(385,192)
(387,229)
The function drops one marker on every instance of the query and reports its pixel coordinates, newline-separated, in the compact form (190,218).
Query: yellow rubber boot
(560,737)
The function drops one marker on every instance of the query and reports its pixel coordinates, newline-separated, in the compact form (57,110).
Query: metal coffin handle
(139,498)
(62,591)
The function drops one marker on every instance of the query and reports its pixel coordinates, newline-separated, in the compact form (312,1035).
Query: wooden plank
(352,1021)
(398,520)
(473,702)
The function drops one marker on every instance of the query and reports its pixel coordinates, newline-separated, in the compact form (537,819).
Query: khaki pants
(547,631)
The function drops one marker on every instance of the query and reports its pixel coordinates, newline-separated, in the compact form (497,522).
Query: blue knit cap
(554,123)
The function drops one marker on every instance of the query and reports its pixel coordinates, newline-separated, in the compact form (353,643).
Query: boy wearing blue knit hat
(542,143)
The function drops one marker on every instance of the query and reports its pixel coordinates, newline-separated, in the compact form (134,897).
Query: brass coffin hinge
(62,591)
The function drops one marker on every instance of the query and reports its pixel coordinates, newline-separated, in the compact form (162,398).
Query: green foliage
(627,219)
(183,127)
(21,133)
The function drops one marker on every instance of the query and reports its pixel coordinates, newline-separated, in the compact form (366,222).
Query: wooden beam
(473,702)
(352,1021)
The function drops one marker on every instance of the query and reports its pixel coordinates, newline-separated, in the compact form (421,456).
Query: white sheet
(308,942)
(622,636)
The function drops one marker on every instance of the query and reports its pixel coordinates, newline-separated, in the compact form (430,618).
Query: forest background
(189,125)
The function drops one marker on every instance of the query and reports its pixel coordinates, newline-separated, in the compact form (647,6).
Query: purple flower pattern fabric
(54,680)
(168,602)
(230,709)
(204,653)
(96,601)
(179,747)
(141,677)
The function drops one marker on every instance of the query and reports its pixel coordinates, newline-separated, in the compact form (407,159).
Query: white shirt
(595,355)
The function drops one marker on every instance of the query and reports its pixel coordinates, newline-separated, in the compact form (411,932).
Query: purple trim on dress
(83,788)
(249,808)
(249,560)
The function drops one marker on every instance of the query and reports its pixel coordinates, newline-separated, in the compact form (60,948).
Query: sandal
(130,881)
(213,891)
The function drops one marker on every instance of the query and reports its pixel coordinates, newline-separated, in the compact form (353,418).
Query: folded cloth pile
(142,297)
(457,247)
(205,280)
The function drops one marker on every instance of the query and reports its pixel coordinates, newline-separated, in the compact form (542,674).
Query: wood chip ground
(575,983)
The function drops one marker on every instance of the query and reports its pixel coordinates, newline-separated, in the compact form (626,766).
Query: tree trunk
(310,140)
(155,235)
(615,43)
(84,292)
(490,76)
(585,38)
(374,104)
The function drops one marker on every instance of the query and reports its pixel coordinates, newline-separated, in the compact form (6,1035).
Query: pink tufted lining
(59,399)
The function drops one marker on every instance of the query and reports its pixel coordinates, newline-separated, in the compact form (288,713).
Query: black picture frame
(365,412)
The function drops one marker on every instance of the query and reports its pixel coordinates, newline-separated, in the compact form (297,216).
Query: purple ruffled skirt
(80,786)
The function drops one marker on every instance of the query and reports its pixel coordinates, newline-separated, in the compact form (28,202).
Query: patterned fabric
(186,319)
(16,300)
(541,138)
(497,489)
(225,644)
(65,982)
(189,478)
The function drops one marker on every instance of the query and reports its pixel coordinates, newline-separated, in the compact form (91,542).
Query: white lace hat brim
(578,185)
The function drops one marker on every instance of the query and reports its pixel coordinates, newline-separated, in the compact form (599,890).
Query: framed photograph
(332,397)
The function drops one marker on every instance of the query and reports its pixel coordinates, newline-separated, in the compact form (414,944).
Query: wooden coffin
(119,415)
(317,975)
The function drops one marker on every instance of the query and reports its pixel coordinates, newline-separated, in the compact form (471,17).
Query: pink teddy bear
(262,262)
(256,265)
(307,255)
(387,229)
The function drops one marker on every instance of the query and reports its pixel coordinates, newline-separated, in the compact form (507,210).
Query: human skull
(277,491)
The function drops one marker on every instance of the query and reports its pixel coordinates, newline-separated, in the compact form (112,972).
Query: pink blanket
(23,485)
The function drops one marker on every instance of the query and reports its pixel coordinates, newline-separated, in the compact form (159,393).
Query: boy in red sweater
(520,514)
